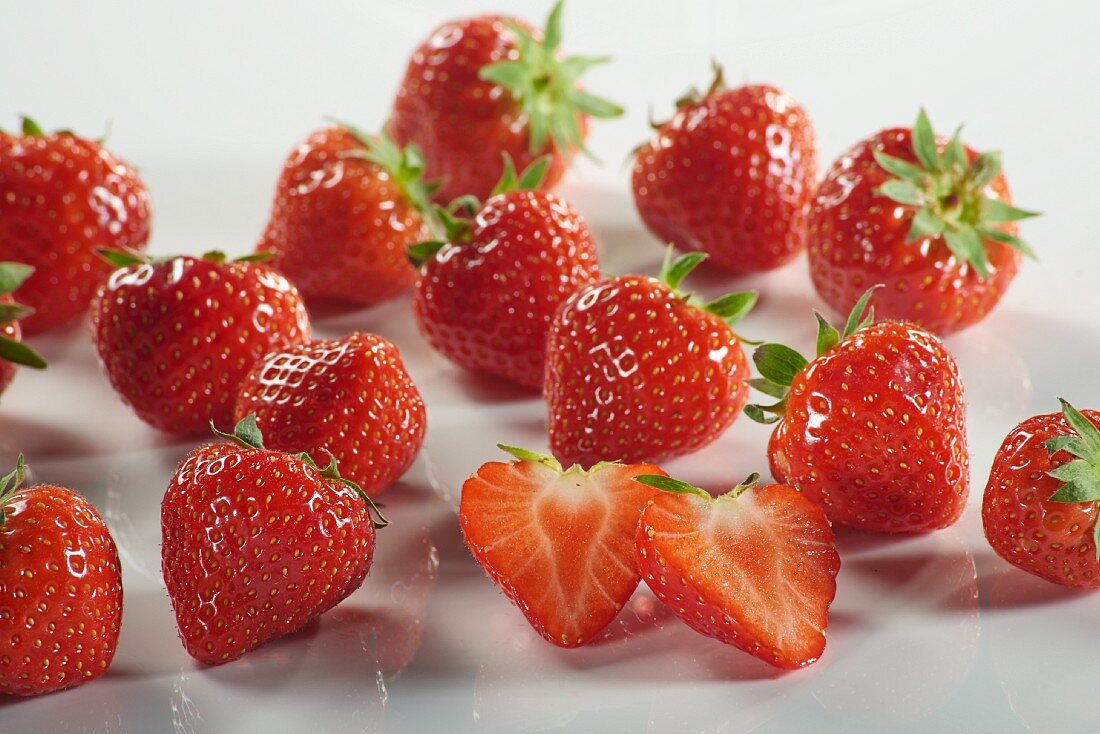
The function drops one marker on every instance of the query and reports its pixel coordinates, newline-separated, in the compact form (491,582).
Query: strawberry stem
(9,483)
(12,275)
(527,455)
(1080,476)
(246,433)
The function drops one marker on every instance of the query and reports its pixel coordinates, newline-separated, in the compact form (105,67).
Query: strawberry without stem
(1040,507)
(60,589)
(348,397)
(637,370)
(347,206)
(755,568)
(731,174)
(62,197)
(258,543)
(929,218)
(557,541)
(873,429)
(12,350)
(478,88)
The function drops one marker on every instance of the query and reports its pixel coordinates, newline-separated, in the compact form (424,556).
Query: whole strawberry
(1040,507)
(873,428)
(347,207)
(63,197)
(13,351)
(731,174)
(258,543)
(176,337)
(481,87)
(559,542)
(755,568)
(486,297)
(637,370)
(348,397)
(929,218)
(60,589)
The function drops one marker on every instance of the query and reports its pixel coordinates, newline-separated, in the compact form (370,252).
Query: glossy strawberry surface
(60,592)
(340,224)
(731,175)
(61,198)
(487,303)
(177,337)
(351,397)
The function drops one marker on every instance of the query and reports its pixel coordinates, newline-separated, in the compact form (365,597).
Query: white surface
(927,634)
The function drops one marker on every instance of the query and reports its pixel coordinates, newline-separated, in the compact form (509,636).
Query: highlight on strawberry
(873,428)
(13,352)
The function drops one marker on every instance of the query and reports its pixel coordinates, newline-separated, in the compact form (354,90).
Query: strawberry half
(1042,501)
(755,568)
(874,428)
(13,351)
(558,542)
(637,370)
(60,589)
(258,543)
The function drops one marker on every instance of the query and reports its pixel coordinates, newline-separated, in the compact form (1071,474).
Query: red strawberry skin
(340,225)
(1052,540)
(487,304)
(351,397)
(559,545)
(634,373)
(461,124)
(61,198)
(177,338)
(256,544)
(732,175)
(875,432)
(757,571)
(856,238)
(60,592)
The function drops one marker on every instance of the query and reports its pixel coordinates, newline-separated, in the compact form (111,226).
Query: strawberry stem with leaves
(675,486)
(1081,476)
(12,275)
(731,307)
(9,483)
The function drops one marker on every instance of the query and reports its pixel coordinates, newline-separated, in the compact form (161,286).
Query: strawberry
(62,197)
(557,541)
(929,218)
(60,589)
(177,336)
(755,568)
(874,428)
(347,206)
(637,370)
(731,174)
(348,397)
(486,296)
(12,350)
(481,87)
(257,543)
(1040,507)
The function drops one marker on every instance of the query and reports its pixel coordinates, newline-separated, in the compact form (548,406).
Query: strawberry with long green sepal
(1042,501)
(486,296)
(258,543)
(176,336)
(755,568)
(481,87)
(347,206)
(13,351)
(60,588)
(927,217)
(639,370)
(559,542)
(62,197)
(873,428)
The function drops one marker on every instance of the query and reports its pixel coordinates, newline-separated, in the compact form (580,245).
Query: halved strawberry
(559,542)
(755,568)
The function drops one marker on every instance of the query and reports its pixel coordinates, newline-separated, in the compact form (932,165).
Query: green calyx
(693,96)
(405,166)
(731,307)
(1080,476)
(675,486)
(948,193)
(247,435)
(12,275)
(545,86)
(124,258)
(778,364)
(527,455)
(9,483)
(455,219)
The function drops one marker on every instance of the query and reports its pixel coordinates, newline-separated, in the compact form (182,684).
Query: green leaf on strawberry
(731,307)
(12,275)
(1081,475)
